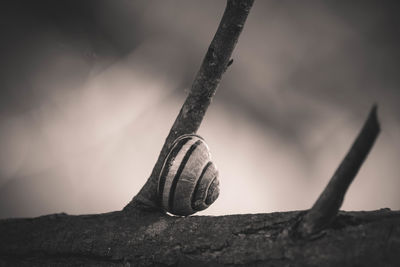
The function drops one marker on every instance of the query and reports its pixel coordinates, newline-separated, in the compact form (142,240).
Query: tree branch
(114,239)
(327,206)
(203,89)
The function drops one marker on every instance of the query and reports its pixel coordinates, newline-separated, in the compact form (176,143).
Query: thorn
(329,202)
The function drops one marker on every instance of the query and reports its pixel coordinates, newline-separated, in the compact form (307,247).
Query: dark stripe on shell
(192,198)
(178,174)
(212,191)
(168,163)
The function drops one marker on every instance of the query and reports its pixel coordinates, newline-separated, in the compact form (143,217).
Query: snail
(188,180)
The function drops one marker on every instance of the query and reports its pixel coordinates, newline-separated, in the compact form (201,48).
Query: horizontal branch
(329,202)
(154,239)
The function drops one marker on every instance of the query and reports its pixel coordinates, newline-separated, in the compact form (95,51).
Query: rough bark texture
(154,239)
(205,84)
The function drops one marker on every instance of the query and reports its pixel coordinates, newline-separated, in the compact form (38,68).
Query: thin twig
(203,89)
(329,202)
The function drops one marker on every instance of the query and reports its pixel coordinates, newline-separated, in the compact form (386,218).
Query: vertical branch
(329,202)
(203,89)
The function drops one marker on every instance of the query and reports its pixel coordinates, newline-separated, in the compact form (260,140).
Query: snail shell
(188,180)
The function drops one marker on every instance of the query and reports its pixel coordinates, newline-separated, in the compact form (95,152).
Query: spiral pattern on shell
(188,180)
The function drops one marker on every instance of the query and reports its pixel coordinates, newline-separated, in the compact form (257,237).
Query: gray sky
(91,88)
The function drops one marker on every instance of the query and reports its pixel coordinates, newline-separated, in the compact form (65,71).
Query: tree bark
(155,239)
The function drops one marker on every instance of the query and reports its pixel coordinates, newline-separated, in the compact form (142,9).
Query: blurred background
(90,89)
